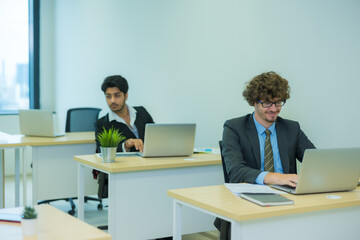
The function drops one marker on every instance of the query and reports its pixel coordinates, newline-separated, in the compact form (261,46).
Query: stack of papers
(11,214)
(239,188)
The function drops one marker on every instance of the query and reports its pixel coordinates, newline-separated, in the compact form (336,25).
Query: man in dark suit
(261,147)
(130,121)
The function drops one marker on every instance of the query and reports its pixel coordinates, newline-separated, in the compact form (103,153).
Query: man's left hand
(133,142)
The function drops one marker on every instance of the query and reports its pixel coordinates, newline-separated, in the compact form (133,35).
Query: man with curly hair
(262,147)
(244,138)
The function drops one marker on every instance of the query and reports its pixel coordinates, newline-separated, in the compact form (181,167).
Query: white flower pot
(108,154)
(29,226)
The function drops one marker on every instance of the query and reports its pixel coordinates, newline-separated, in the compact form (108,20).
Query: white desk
(8,141)
(54,171)
(138,205)
(313,216)
(52,224)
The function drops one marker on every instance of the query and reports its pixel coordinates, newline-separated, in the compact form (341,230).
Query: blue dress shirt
(274,144)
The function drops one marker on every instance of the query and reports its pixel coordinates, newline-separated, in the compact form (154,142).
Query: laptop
(169,140)
(327,170)
(39,123)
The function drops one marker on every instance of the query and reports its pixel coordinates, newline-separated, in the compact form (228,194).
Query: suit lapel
(283,150)
(122,128)
(140,127)
(254,140)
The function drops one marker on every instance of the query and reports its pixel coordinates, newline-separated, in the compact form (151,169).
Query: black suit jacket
(241,148)
(241,153)
(142,118)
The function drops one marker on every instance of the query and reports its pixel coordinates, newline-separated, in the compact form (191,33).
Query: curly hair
(266,86)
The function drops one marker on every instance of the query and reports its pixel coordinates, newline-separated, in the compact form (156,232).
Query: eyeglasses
(269,104)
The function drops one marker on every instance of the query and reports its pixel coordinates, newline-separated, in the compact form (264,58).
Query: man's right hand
(281,179)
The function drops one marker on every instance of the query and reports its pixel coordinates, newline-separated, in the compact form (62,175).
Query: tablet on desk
(267,199)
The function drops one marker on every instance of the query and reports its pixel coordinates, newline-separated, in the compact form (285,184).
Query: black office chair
(226,175)
(222,225)
(79,120)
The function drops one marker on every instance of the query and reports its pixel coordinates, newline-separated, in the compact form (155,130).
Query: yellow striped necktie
(269,158)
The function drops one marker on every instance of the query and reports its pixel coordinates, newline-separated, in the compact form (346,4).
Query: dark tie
(269,158)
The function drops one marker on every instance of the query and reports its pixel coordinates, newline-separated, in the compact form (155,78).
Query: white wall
(188,61)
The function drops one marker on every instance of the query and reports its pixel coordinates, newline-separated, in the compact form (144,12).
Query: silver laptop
(40,123)
(168,140)
(327,170)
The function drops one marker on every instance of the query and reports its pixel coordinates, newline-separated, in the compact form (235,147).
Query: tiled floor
(92,215)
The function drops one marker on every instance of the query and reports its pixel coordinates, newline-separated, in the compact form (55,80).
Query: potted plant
(109,140)
(29,221)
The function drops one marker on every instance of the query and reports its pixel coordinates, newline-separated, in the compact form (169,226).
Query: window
(19,50)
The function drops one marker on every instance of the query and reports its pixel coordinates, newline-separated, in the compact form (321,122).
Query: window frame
(34,54)
(34,57)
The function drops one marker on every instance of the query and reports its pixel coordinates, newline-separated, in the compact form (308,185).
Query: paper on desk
(207,150)
(11,214)
(123,154)
(239,188)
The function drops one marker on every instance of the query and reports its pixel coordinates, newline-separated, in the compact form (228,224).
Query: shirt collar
(261,129)
(132,112)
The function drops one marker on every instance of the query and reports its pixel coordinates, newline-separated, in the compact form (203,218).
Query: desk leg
(17,177)
(81,187)
(2,180)
(236,230)
(177,218)
(112,208)
(35,173)
(24,177)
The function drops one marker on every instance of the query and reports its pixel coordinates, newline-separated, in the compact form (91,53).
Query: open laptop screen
(38,123)
(169,140)
(327,170)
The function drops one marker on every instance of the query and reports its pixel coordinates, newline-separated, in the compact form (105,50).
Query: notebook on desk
(168,140)
(39,123)
(327,170)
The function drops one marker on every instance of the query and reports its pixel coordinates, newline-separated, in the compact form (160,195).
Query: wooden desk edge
(50,217)
(280,211)
(109,168)
(34,144)
(69,138)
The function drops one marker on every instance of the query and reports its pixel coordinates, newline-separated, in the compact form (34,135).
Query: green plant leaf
(29,213)
(110,137)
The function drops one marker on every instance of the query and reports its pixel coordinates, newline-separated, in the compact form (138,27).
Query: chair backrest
(226,176)
(81,119)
